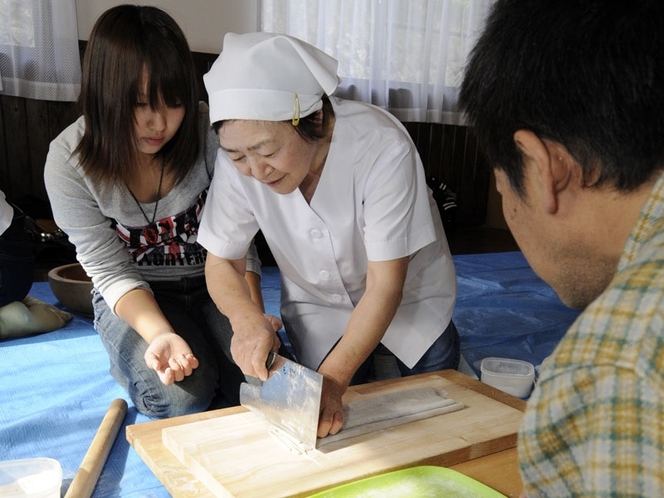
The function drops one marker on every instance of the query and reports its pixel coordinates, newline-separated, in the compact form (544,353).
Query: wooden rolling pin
(86,477)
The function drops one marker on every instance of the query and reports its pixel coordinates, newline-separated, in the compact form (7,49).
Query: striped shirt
(595,424)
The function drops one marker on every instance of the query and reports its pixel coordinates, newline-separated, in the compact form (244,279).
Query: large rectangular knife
(289,399)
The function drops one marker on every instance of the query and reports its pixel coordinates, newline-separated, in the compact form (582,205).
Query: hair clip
(296,110)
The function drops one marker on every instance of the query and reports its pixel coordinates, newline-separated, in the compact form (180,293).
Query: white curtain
(406,56)
(39,55)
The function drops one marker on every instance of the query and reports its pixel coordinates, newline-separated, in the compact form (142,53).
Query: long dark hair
(127,42)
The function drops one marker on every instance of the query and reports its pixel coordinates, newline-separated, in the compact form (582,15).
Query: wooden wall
(451,154)
(27,127)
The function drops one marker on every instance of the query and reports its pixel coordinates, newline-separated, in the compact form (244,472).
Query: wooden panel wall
(27,127)
(451,154)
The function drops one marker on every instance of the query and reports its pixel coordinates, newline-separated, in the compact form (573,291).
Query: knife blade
(289,399)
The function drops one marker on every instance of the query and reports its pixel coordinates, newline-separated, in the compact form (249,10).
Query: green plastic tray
(416,482)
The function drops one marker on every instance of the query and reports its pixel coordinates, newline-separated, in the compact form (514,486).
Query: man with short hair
(567,100)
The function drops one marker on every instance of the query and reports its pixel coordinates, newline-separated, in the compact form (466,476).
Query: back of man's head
(588,74)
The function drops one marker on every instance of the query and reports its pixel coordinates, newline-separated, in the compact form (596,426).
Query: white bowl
(30,478)
(514,377)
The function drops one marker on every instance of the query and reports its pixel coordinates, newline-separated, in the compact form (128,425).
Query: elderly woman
(339,192)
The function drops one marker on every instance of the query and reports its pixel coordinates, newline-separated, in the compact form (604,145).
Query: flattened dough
(392,409)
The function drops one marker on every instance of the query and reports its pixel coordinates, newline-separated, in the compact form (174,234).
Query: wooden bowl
(72,287)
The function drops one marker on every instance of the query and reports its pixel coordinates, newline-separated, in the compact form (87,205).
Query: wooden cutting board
(231,452)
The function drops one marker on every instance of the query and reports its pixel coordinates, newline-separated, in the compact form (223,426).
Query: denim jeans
(444,353)
(16,263)
(194,316)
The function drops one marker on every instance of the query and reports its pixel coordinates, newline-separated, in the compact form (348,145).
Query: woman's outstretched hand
(170,356)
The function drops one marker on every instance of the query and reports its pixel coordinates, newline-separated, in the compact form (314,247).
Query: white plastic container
(30,478)
(514,377)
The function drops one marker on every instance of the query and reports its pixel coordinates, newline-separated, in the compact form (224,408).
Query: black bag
(49,243)
(446,201)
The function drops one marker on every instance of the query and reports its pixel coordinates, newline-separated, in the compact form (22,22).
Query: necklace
(150,232)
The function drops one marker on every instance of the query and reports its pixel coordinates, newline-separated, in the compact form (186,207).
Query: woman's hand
(253,339)
(170,356)
(331,407)
(236,292)
(275,321)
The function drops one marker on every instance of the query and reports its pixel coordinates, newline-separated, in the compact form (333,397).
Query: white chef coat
(371,203)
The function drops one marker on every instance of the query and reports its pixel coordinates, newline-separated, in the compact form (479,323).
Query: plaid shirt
(595,424)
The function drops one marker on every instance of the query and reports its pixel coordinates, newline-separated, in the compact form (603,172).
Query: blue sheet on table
(56,387)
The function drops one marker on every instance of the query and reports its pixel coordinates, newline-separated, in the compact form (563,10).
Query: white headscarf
(268,77)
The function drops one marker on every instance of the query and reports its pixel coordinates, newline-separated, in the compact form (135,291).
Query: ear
(547,163)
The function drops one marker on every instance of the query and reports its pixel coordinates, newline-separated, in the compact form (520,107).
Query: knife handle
(270,359)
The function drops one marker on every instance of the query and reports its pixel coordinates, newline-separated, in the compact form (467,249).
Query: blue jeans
(194,316)
(444,353)
(16,263)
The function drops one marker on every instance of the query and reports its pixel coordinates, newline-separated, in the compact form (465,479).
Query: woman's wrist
(151,336)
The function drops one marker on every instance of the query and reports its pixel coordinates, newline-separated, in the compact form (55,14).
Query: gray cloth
(107,226)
